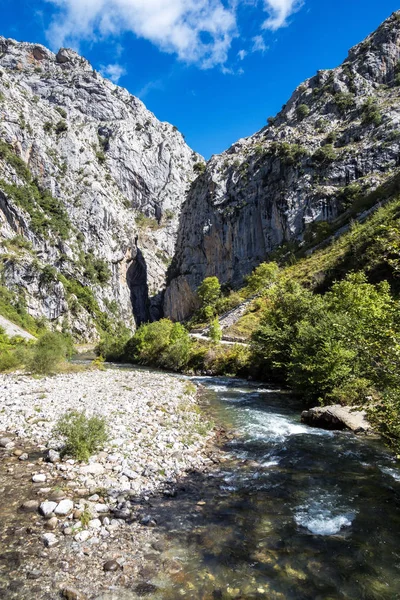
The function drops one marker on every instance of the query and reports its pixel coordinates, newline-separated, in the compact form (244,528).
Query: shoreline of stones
(77,509)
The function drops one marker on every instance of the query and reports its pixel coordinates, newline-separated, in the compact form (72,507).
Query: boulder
(337,417)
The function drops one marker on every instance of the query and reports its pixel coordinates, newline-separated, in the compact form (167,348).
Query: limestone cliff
(91,186)
(336,139)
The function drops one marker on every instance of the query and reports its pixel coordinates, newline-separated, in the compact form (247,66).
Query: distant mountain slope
(334,142)
(91,186)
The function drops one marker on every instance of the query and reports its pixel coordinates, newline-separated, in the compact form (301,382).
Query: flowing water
(294,513)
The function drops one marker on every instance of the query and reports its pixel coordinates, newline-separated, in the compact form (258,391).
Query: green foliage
(347,339)
(370,112)
(317,231)
(162,343)
(215,331)
(112,345)
(344,101)
(324,155)
(199,167)
(61,111)
(348,195)
(46,212)
(50,351)
(271,121)
(61,127)
(261,277)
(13,351)
(144,222)
(7,153)
(95,269)
(208,293)
(83,435)
(48,126)
(302,111)
(13,307)
(101,157)
(289,154)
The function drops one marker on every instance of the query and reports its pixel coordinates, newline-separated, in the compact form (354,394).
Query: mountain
(91,187)
(334,144)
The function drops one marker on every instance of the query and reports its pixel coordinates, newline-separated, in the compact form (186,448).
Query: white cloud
(258,44)
(279,11)
(198,31)
(113,72)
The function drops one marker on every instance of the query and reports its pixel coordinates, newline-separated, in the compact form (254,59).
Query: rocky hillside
(332,144)
(91,187)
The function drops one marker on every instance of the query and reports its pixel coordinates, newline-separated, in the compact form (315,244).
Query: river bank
(84,527)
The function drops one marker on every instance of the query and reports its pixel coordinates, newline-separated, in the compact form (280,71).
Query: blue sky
(214,68)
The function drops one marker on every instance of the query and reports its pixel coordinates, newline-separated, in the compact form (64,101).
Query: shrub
(289,154)
(61,111)
(60,127)
(262,277)
(302,111)
(344,101)
(215,331)
(49,353)
(324,155)
(199,167)
(370,112)
(271,121)
(209,292)
(162,343)
(83,435)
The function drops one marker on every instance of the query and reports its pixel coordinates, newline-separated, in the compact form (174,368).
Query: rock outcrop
(91,187)
(337,417)
(336,140)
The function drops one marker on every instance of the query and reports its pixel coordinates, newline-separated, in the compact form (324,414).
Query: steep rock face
(336,139)
(91,186)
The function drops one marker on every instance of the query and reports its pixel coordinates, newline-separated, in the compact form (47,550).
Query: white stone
(64,507)
(47,508)
(39,478)
(49,540)
(102,508)
(82,536)
(94,524)
(93,469)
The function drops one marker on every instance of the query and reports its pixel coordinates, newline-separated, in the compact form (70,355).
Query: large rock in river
(337,417)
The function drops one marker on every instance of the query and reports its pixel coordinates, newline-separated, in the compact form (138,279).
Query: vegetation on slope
(328,325)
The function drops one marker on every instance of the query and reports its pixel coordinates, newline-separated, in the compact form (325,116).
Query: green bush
(215,331)
(344,101)
(49,353)
(262,277)
(209,292)
(370,112)
(302,111)
(162,343)
(83,435)
(325,154)
(199,167)
(60,127)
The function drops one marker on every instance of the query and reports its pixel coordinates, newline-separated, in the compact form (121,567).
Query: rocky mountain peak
(335,141)
(93,182)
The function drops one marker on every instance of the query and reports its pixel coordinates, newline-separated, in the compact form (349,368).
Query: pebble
(53,456)
(6,442)
(94,524)
(82,536)
(47,508)
(71,593)
(111,565)
(39,478)
(18,452)
(102,508)
(30,505)
(49,540)
(24,456)
(51,523)
(64,507)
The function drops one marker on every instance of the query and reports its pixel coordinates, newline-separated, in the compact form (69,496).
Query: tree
(208,293)
(215,331)
(262,277)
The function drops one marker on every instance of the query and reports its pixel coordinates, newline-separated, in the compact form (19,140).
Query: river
(295,513)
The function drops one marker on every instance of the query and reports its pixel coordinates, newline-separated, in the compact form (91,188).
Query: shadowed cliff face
(136,277)
(340,128)
(115,171)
